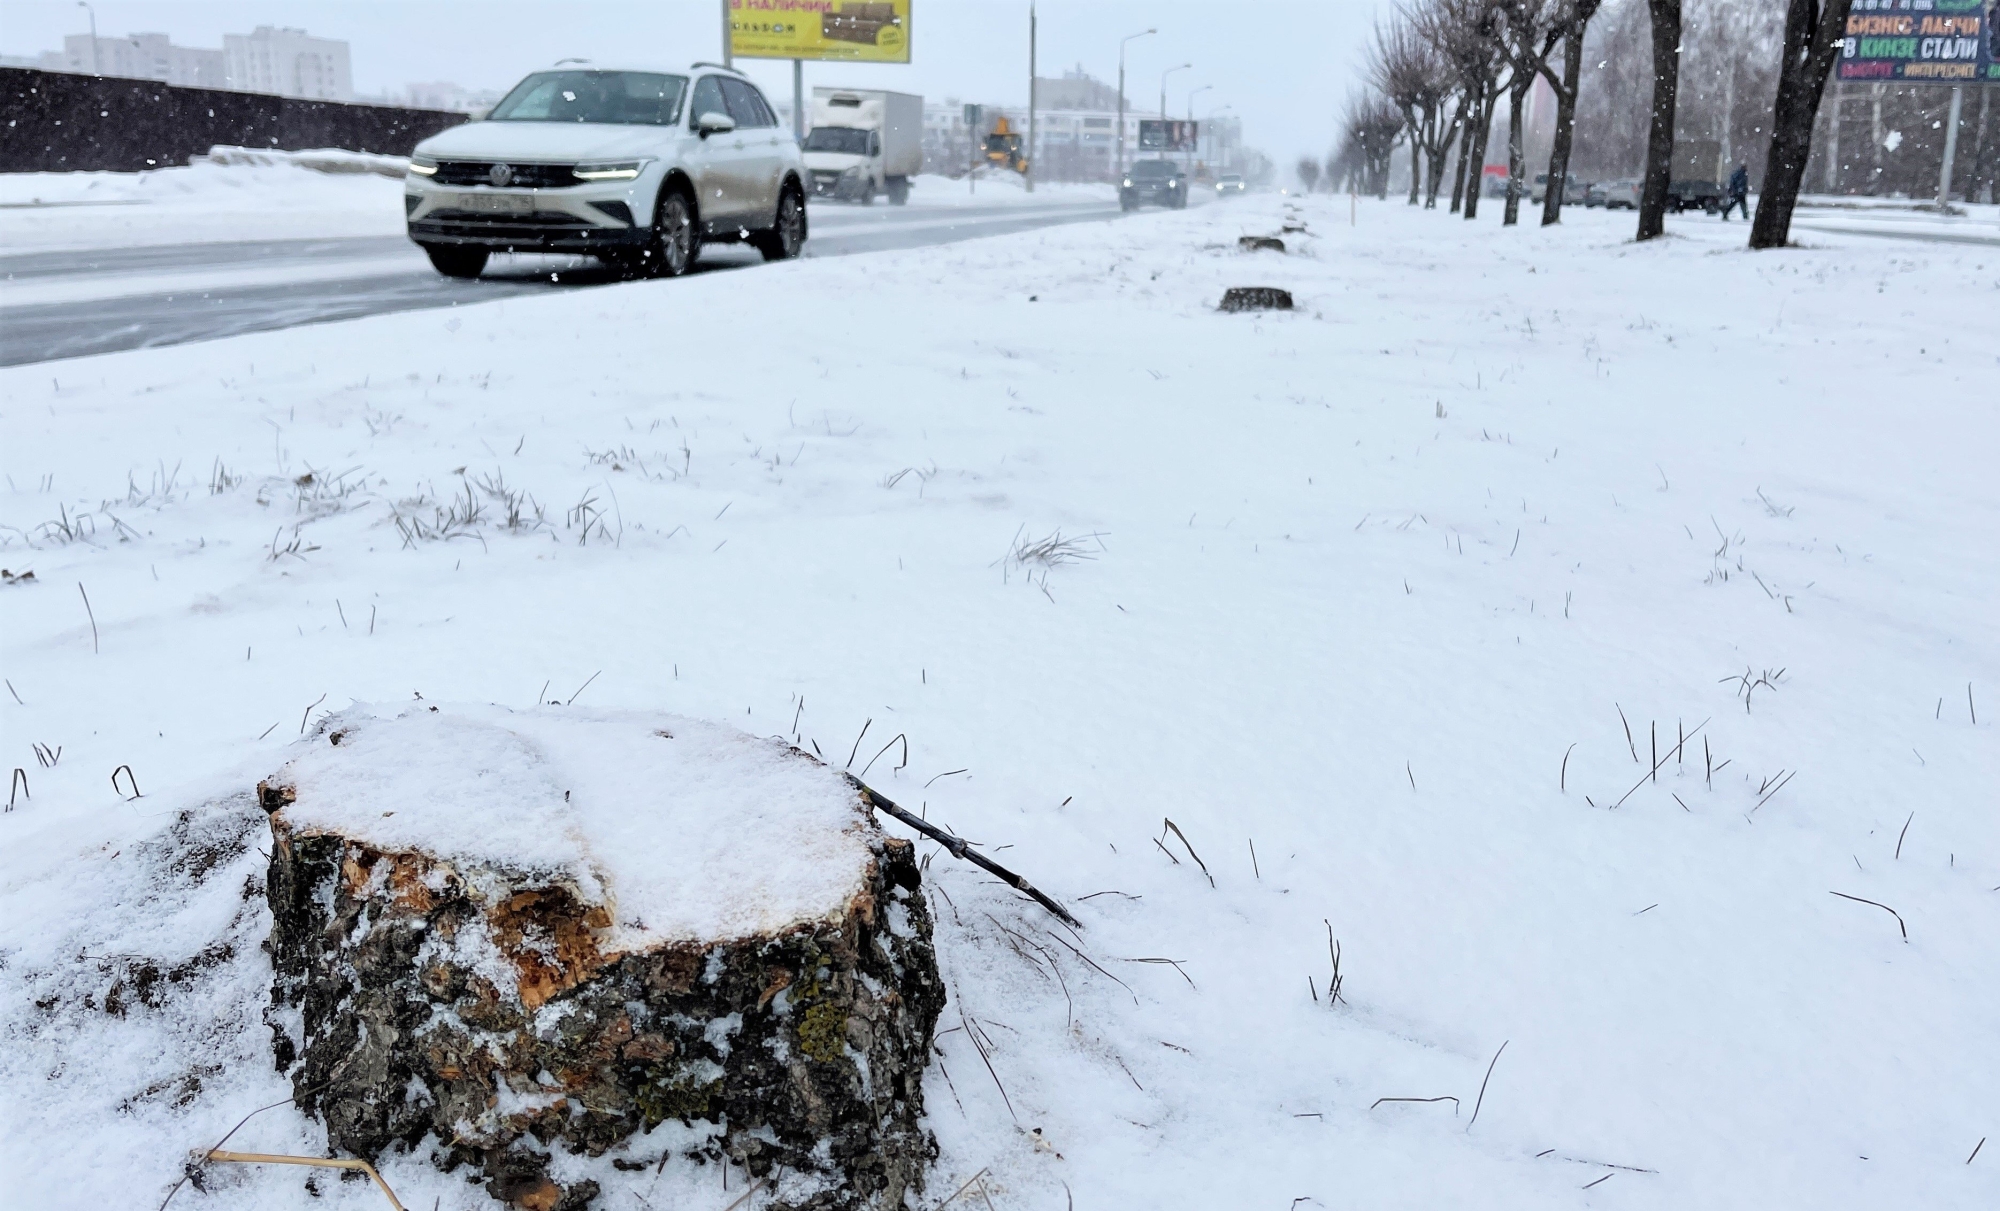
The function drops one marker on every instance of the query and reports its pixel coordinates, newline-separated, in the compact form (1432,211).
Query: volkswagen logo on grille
(501,175)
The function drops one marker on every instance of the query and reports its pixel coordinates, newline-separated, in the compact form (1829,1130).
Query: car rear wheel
(674,240)
(457,262)
(788,229)
(899,191)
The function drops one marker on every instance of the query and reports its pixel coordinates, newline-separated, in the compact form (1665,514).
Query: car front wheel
(674,241)
(457,262)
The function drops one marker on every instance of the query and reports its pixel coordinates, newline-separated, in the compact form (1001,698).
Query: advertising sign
(845,31)
(1922,41)
(1158,134)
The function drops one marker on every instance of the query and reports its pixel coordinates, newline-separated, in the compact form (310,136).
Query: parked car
(1573,189)
(1618,195)
(1228,183)
(1160,182)
(638,166)
(1705,196)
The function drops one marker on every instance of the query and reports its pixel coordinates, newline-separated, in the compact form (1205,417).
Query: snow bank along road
(69,303)
(1398,605)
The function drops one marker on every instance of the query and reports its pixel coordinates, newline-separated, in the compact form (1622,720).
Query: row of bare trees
(1439,70)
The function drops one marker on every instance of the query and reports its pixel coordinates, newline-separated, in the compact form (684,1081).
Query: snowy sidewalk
(1390,603)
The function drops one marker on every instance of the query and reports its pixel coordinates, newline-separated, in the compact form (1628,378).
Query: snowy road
(72,303)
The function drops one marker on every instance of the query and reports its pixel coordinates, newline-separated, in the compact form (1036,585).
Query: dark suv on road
(1160,182)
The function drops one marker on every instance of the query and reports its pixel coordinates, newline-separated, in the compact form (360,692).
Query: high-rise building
(137,57)
(289,63)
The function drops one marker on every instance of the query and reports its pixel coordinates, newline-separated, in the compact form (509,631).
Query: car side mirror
(713,123)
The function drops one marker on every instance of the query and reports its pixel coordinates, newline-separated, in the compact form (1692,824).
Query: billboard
(1922,41)
(1160,134)
(845,31)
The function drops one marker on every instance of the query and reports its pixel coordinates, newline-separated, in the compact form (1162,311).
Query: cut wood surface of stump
(562,946)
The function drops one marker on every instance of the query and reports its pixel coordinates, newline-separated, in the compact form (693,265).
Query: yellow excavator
(1003,147)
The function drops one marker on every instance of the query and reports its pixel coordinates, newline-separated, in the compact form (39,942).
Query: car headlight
(1127,182)
(610,170)
(853,170)
(423,166)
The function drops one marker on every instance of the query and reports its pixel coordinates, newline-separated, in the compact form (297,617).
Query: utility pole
(1120,136)
(1028,177)
(1192,149)
(1950,146)
(1163,86)
(799,100)
(96,68)
(728,42)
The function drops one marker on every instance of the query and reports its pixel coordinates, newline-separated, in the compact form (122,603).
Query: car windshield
(621,98)
(1155,169)
(839,139)
(1230,178)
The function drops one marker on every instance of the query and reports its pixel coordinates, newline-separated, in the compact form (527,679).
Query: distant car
(1705,196)
(636,166)
(1157,181)
(1573,189)
(1229,182)
(1619,195)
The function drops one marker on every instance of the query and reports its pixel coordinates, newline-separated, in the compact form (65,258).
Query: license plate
(497,203)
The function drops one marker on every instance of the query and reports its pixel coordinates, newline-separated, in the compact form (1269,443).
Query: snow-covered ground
(240,194)
(1538,504)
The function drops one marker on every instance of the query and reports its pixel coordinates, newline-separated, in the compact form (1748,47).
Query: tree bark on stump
(417,997)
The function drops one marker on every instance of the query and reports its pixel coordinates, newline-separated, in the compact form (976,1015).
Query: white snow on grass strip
(1378,587)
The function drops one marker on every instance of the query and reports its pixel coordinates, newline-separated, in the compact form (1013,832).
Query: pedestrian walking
(1739,192)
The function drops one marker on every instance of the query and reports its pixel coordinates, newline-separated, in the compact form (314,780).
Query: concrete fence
(60,122)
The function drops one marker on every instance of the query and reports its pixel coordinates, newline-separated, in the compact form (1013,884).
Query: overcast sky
(1284,66)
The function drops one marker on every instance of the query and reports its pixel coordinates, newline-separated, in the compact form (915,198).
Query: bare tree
(1570,20)
(1666,18)
(1415,77)
(1463,31)
(1308,170)
(1527,34)
(1373,128)
(1812,43)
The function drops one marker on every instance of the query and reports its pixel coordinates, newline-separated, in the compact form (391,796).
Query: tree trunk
(1517,94)
(1833,141)
(1666,20)
(1476,175)
(1464,150)
(1812,44)
(1416,165)
(1552,200)
(1442,151)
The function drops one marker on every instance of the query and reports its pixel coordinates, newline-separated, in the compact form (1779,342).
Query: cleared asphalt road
(72,304)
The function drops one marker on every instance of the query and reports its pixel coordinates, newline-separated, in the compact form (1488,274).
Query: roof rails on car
(717,66)
(560,62)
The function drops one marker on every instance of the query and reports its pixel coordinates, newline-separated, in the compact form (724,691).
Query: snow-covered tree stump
(533,942)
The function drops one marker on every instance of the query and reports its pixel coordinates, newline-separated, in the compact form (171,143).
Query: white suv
(636,166)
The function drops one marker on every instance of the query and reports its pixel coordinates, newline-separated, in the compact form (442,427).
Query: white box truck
(864,141)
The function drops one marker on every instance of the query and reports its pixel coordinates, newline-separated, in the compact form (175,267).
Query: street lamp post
(1191,96)
(1120,135)
(1163,85)
(96,68)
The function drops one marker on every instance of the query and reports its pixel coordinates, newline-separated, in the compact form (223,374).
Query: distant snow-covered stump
(556,945)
